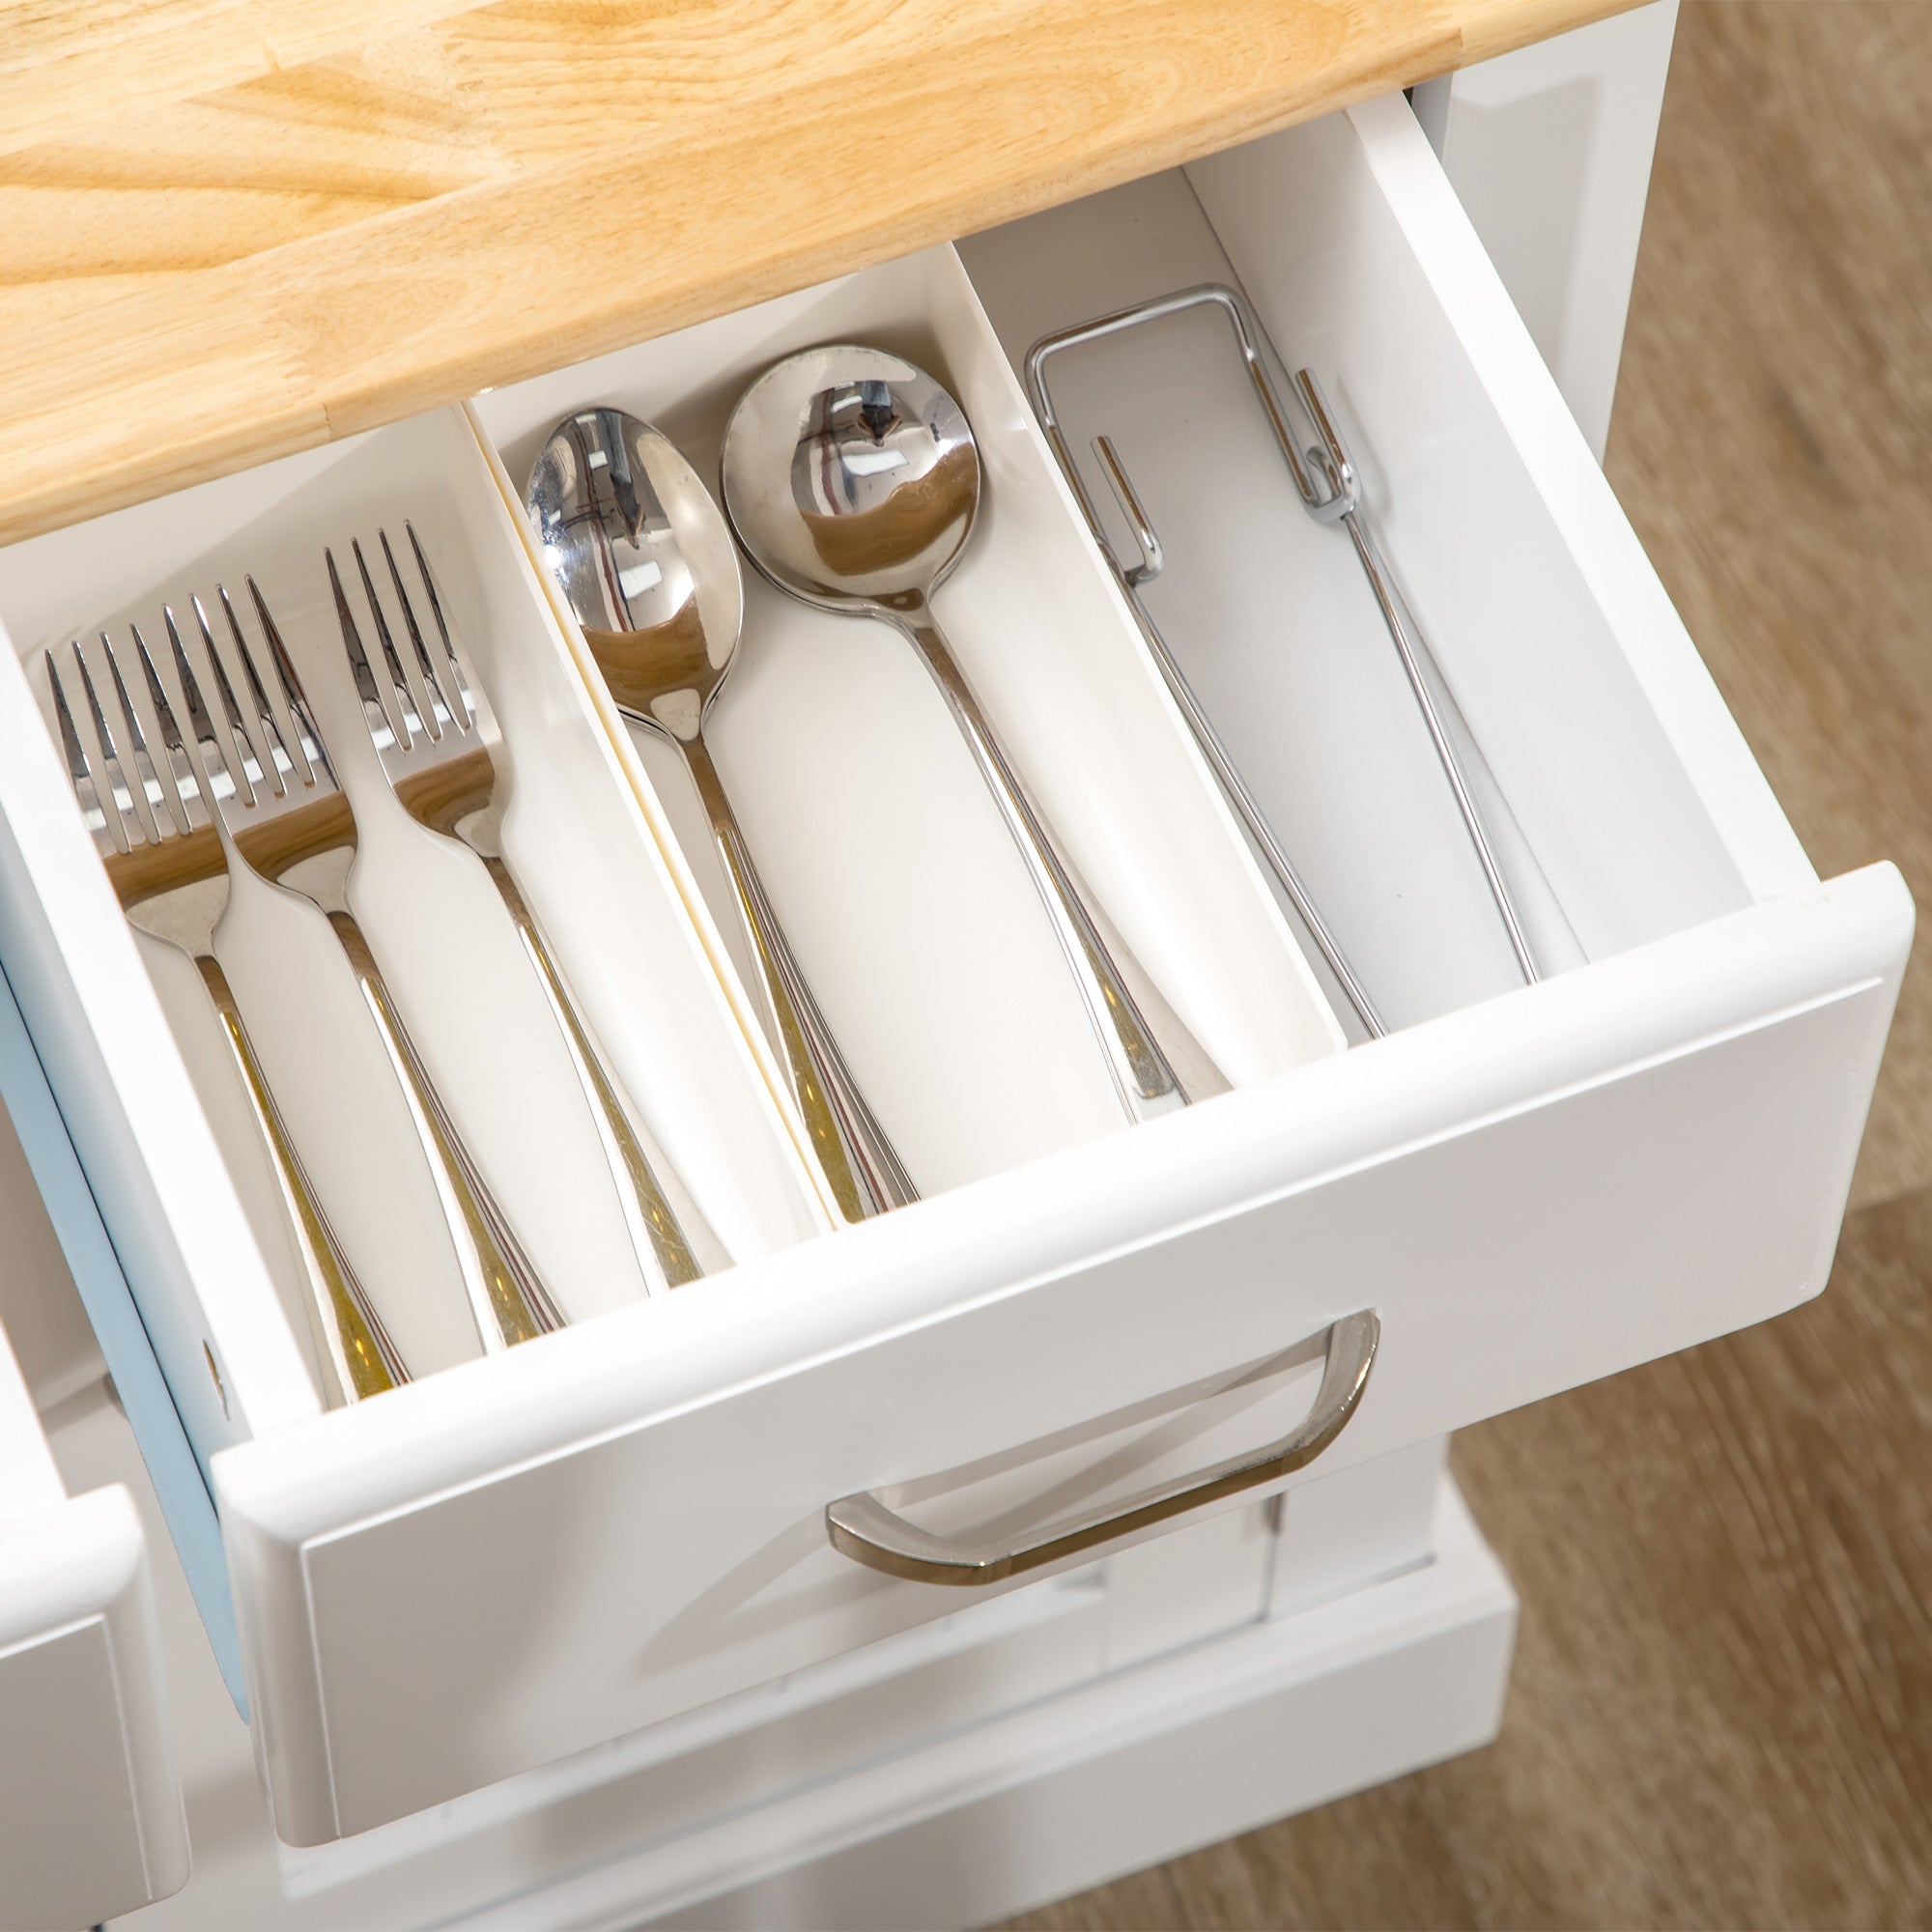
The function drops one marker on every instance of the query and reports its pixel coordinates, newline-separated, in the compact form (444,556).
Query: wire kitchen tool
(1326,481)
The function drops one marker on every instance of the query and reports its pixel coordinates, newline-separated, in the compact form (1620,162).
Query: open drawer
(90,1820)
(520,1557)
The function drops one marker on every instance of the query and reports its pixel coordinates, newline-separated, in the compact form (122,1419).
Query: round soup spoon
(647,565)
(852,480)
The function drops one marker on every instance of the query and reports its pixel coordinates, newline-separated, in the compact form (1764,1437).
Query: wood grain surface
(1721,1713)
(234,227)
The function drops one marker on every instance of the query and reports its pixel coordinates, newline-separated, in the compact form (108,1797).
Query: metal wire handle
(863,1528)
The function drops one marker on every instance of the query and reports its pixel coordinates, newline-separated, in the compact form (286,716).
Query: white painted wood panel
(589,1537)
(90,1817)
(1548,148)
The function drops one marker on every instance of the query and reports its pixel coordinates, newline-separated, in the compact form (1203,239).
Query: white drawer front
(90,1817)
(522,1556)
(632,1522)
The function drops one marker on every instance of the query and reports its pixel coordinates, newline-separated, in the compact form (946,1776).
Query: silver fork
(285,812)
(171,878)
(443,760)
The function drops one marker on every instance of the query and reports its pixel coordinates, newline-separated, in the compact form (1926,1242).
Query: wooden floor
(1722,1713)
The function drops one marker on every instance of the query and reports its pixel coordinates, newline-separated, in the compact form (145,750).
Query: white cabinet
(524,1557)
(90,1810)
(1549,150)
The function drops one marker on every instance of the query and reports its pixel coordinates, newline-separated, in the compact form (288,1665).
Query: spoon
(852,480)
(646,564)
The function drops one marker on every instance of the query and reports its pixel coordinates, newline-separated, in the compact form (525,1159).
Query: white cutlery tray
(918,926)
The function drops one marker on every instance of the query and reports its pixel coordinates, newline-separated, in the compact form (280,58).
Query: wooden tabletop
(230,229)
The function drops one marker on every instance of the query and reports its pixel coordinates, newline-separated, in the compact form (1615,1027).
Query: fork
(172,881)
(292,822)
(443,760)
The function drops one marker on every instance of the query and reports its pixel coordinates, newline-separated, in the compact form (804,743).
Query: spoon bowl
(645,560)
(882,485)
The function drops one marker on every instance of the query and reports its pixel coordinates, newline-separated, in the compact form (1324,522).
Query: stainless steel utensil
(286,813)
(647,565)
(166,863)
(853,481)
(442,758)
(1332,499)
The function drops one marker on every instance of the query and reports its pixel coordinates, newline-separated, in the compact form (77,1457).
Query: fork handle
(663,1249)
(506,1294)
(352,1350)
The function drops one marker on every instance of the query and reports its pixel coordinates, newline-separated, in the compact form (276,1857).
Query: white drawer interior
(882,850)
(450,1545)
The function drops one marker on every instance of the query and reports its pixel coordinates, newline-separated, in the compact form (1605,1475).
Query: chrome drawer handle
(862,1528)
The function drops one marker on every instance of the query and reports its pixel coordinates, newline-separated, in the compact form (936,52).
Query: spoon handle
(1147,1085)
(857,1160)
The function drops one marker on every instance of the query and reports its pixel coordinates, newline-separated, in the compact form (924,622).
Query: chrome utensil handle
(655,1233)
(862,1528)
(506,1295)
(1147,1085)
(853,1150)
(1133,578)
(352,1348)
(1325,478)
(1411,649)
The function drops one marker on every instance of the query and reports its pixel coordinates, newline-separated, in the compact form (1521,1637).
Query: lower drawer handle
(862,1528)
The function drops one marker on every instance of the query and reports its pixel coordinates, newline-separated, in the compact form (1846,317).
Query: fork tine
(439,698)
(375,713)
(404,699)
(114,765)
(273,746)
(78,769)
(238,726)
(221,780)
(314,753)
(184,797)
(468,714)
(145,768)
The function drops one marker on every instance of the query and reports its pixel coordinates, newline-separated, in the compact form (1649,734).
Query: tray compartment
(914,922)
(588,864)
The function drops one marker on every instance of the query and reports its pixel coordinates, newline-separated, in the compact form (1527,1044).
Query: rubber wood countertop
(230,229)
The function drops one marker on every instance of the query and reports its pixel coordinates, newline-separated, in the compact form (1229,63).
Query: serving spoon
(646,564)
(852,480)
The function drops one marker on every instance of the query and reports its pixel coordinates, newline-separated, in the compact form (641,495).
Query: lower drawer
(90,1817)
(674,1799)
(1522,1187)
